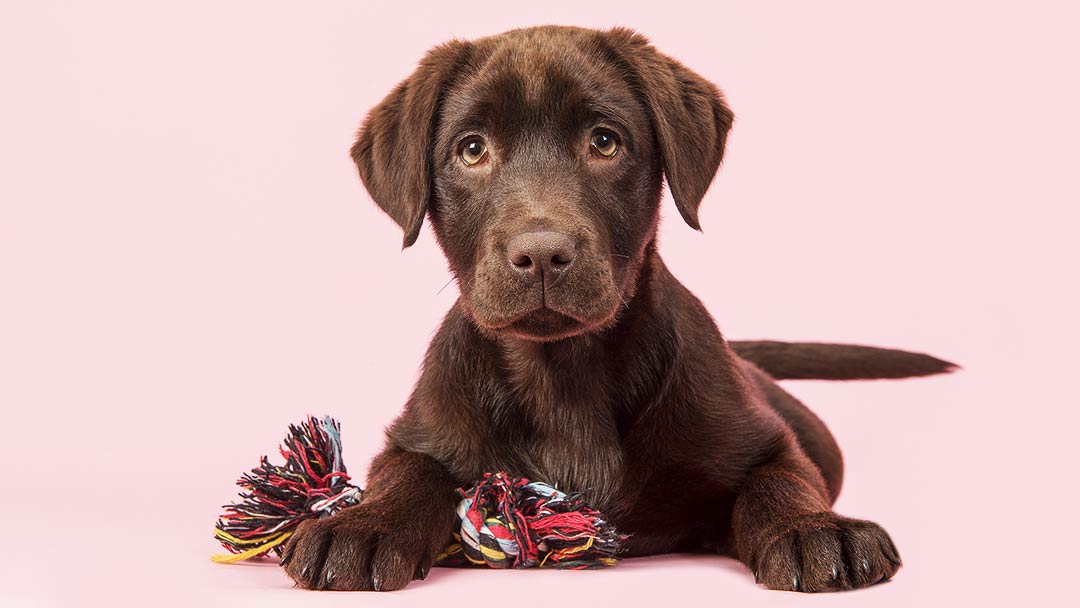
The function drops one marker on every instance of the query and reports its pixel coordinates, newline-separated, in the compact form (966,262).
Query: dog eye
(473,151)
(604,143)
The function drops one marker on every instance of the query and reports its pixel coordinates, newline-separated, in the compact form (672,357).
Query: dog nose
(536,252)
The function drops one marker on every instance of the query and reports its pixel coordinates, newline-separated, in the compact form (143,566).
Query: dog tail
(817,361)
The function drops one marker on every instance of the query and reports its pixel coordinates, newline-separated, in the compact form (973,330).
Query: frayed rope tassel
(503,522)
(313,483)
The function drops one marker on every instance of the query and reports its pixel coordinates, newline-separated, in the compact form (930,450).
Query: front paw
(827,552)
(363,548)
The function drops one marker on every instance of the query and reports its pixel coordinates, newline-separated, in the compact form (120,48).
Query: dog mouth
(583,299)
(544,324)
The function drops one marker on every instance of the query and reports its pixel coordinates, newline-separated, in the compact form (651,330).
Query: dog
(572,354)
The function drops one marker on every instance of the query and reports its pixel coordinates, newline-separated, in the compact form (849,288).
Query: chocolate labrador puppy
(572,355)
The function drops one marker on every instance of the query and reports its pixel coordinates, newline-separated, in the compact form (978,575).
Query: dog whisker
(445,286)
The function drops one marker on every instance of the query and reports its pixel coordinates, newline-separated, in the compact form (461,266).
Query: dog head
(538,156)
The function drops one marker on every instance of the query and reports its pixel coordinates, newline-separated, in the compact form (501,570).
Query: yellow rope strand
(232,558)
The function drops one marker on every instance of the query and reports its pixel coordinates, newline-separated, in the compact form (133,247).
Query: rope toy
(503,522)
(313,483)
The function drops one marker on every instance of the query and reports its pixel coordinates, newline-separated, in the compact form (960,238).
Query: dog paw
(360,549)
(829,553)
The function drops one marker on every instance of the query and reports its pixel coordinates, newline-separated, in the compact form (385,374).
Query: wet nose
(541,252)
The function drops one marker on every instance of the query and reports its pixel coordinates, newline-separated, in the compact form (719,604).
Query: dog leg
(786,532)
(392,537)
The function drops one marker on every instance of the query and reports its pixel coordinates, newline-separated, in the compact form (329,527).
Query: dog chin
(540,325)
(544,325)
(545,322)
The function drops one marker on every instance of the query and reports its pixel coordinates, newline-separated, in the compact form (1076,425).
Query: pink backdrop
(188,263)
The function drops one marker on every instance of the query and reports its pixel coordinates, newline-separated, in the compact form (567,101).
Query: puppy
(572,355)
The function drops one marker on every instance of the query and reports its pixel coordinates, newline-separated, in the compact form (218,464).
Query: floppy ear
(393,148)
(689,115)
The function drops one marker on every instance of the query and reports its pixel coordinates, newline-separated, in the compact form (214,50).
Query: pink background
(188,263)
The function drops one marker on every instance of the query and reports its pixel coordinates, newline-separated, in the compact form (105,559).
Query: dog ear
(393,148)
(689,114)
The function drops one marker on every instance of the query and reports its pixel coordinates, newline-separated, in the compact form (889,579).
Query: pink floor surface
(131,538)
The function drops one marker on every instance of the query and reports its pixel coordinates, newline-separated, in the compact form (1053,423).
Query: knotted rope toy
(503,522)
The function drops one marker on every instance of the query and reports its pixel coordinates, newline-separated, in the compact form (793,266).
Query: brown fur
(608,377)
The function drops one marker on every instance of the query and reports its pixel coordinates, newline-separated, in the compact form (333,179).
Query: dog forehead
(539,56)
(523,80)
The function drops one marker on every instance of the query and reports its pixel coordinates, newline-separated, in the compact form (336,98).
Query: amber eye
(604,143)
(473,151)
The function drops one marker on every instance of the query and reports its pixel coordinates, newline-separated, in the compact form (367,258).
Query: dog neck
(581,394)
